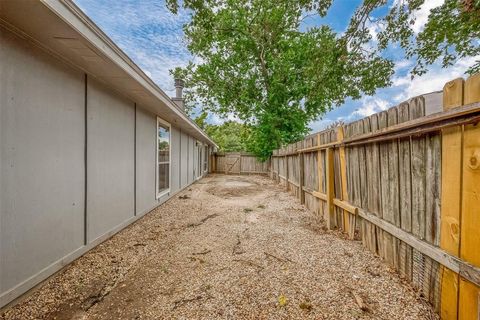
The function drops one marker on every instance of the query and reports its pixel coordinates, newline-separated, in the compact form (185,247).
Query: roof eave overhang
(119,71)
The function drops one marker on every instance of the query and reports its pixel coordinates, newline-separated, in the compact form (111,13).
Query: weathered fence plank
(405,251)
(343,180)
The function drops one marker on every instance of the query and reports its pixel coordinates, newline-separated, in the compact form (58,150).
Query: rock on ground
(227,247)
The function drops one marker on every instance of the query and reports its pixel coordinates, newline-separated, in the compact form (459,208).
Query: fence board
(405,251)
(368,233)
(469,294)
(393,178)
(451,204)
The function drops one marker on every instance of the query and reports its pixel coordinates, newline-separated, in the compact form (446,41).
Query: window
(163,157)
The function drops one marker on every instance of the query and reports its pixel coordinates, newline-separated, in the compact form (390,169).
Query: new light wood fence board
(469,294)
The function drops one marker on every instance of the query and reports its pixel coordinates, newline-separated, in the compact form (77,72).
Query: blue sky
(153,38)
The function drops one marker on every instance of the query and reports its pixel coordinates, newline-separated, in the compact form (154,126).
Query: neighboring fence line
(408,185)
(238,163)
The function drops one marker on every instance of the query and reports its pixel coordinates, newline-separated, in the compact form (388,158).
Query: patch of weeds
(282,301)
(196,259)
(247,210)
(164,269)
(307,306)
(261,206)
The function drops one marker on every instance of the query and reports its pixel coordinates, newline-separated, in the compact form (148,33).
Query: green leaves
(254,62)
(230,136)
(451,32)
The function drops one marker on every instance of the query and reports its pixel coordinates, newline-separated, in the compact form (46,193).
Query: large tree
(253,60)
(230,136)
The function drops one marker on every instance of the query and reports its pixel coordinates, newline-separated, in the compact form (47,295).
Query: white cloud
(148,32)
(217,120)
(434,80)
(320,125)
(374,29)
(421,15)
(371,105)
(402,64)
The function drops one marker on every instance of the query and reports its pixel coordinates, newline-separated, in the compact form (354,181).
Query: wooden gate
(232,163)
(238,163)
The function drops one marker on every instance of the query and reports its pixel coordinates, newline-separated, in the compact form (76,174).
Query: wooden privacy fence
(407,182)
(238,163)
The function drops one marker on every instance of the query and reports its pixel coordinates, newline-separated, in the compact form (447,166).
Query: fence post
(240,164)
(319,170)
(469,294)
(451,198)
(286,169)
(343,179)
(214,162)
(301,177)
(330,172)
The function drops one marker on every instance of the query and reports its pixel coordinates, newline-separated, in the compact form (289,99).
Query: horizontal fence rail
(406,181)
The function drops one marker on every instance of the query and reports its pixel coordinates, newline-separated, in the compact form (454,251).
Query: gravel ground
(228,247)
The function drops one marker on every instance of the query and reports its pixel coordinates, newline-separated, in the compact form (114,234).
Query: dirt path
(231,248)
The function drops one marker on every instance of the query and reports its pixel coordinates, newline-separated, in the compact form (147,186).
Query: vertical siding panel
(110,157)
(42,175)
(175,159)
(146,126)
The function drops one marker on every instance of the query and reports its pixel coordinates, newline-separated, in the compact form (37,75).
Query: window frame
(199,147)
(205,164)
(162,123)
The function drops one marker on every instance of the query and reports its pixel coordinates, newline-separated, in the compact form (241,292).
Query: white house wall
(41,160)
(145,145)
(110,159)
(184,140)
(175,160)
(63,133)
